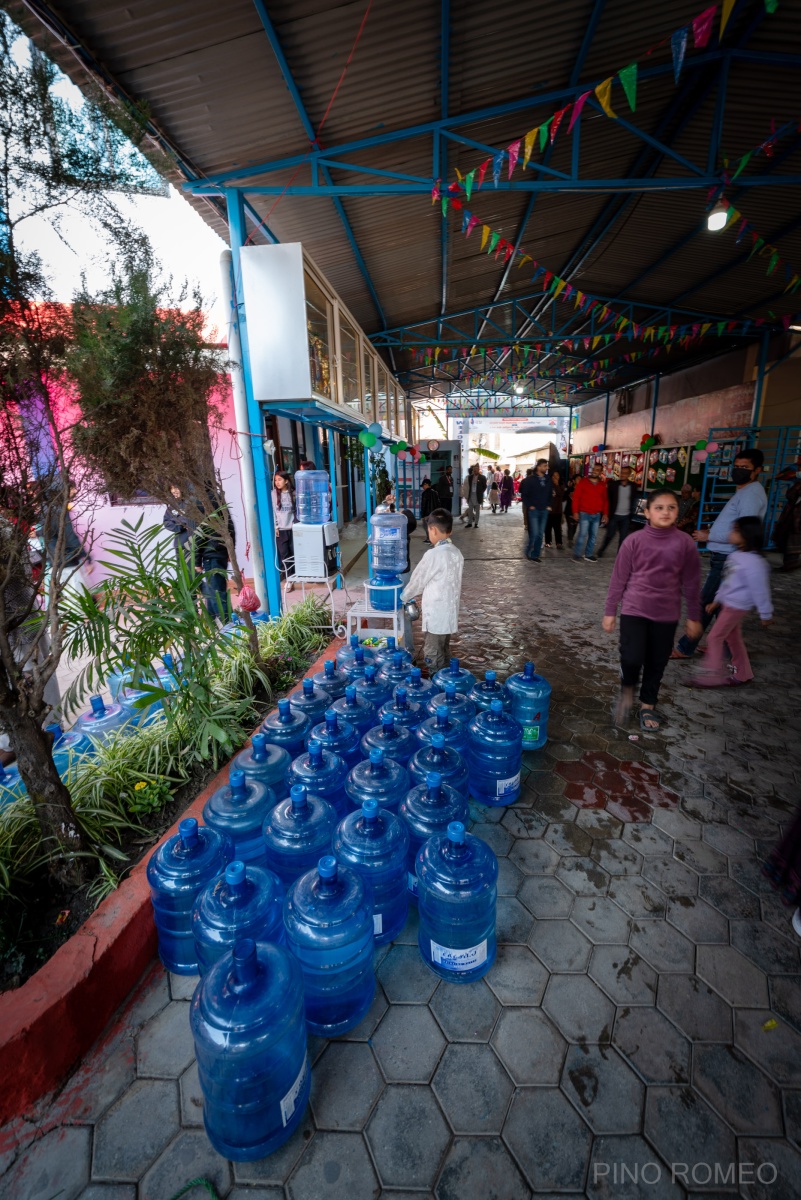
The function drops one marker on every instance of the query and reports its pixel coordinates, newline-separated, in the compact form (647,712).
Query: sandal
(650,714)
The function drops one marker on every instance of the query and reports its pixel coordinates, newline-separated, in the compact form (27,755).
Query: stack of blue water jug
(341,814)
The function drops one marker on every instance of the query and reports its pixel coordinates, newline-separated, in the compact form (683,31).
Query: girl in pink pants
(745,586)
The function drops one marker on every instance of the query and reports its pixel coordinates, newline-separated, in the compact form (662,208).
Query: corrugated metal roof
(214,88)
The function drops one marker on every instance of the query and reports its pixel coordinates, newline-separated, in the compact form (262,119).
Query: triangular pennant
(525,258)
(628,77)
(559,287)
(544,133)
(469,179)
(771,5)
(497,163)
(471,224)
(725,13)
(774,258)
(482,170)
(508,252)
(514,154)
(485,232)
(743,163)
(445,203)
(496,237)
(604,94)
(577,107)
(528,145)
(702,27)
(557,121)
(678,44)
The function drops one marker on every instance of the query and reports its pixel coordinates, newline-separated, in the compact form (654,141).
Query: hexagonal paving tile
(534,857)
(638,897)
(496,837)
(770,1159)
(652,1045)
(513,921)
(662,946)
(599,824)
(529,1046)
(697,920)
(583,876)
(517,977)
(684,1128)
(546,897)
(56,1165)
(738,1092)
(335,1102)
(579,1008)
(117,1191)
(785,993)
(164,1047)
(276,1167)
(629,809)
(604,1088)
(701,857)
(335,1165)
(509,877)
(477,1168)
(695,1008)
(728,841)
(524,822)
(408,1137)
(730,897)
(769,950)
(769,1042)
(624,976)
(151,1108)
(677,824)
(732,976)
(671,876)
(574,772)
(622,1168)
(567,838)
(617,857)
(601,919)
(466,1013)
(792,1116)
(560,945)
(190,1156)
(549,1139)
(191,1097)
(586,795)
(405,978)
(408,1044)
(647,839)
(473,1089)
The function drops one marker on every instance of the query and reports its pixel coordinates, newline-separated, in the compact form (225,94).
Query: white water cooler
(315,550)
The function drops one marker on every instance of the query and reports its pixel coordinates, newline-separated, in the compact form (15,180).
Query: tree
(52,155)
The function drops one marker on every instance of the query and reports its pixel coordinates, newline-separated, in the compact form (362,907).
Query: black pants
(286,551)
(619,525)
(553,528)
(215,588)
(645,646)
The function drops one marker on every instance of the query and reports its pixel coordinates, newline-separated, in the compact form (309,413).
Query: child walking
(745,586)
(494,496)
(654,567)
(438,578)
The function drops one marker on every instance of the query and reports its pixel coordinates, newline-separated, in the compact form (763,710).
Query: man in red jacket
(591,506)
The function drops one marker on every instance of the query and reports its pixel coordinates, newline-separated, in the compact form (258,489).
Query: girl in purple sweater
(653,568)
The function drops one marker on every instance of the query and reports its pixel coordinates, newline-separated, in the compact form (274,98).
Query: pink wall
(683,421)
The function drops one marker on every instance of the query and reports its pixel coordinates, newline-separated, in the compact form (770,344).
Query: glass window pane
(383,386)
(367,394)
(401,414)
(349,347)
(318,327)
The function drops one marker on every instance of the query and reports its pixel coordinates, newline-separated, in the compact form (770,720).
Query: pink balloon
(402,455)
(712,447)
(701,456)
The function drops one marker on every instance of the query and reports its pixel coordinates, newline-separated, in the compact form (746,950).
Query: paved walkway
(645,1008)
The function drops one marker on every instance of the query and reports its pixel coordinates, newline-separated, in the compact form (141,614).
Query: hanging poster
(663,456)
(682,457)
(652,474)
(654,456)
(670,475)
(672,455)
(660,476)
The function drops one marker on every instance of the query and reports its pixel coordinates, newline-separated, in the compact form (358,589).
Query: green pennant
(468,182)
(628,77)
(493,242)
(774,262)
(758,244)
(444,206)
(743,163)
(661,331)
(771,5)
(544,133)
(721,327)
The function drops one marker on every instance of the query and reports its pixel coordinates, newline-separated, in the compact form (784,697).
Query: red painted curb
(48,1024)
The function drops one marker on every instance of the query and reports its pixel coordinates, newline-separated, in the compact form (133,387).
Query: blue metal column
(760,379)
(315,443)
(606,419)
(332,471)
(654,402)
(368,495)
(270,584)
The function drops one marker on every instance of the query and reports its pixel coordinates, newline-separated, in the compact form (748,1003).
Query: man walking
(591,506)
(622,500)
(473,493)
(445,489)
(536,493)
(749,500)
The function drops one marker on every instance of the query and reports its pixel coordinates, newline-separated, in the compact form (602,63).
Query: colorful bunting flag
(528,145)
(485,232)
(557,121)
(604,94)
(544,133)
(725,13)
(577,107)
(482,170)
(468,182)
(628,77)
(702,27)
(493,242)
(497,163)
(771,5)
(514,154)
(678,45)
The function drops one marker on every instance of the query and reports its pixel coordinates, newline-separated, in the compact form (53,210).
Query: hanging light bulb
(718,216)
(520,387)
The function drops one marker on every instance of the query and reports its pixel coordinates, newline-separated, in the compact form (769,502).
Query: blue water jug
(494,756)
(407,713)
(396,672)
(244,901)
(427,809)
(531,698)
(384,591)
(337,735)
(287,727)
(378,778)
(328,917)
(397,742)
(238,809)
(357,712)
(463,680)
(387,543)
(331,680)
(374,843)
(356,669)
(296,832)
(102,720)
(323,773)
(450,764)
(310,700)
(177,872)
(418,690)
(143,709)
(312,497)
(453,732)
(457,704)
(346,654)
(265,762)
(68,747)
(248,1024)
(371,690)
(457,890)
(386,655)
(482,694)
(11,785)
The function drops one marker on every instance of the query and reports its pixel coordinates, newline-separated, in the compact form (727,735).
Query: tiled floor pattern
(640,1032)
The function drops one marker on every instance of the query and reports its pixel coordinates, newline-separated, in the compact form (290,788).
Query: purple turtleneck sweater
(652,569)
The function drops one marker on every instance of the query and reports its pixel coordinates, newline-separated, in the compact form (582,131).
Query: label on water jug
(505,787)
(411,882)
(531,733)
(290,1100)
(459,960)
(378,923)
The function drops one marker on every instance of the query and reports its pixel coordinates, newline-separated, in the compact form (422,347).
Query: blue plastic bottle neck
(316,761)
(258,751)
(308,688)
(370,821)
(98,707)
(528,670)
(450,692)
(236,881)
(299,801)
(284,712)
(188,834)
(434,787)
(246,969)
(327,876)
(455,846)
(454,667)
(239,788)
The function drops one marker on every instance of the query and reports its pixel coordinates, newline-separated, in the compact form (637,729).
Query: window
(383,386)
(367,394)
(319,333)
(401,426)
(349,356)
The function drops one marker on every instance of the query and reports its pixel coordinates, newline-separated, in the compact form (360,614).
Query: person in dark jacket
(211,557)
(507,491)
(177,523)
(553,526)
(622,495)
(445,489)
(429,500)
(536,492)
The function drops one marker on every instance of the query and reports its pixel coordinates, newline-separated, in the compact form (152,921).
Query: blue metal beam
(444,91)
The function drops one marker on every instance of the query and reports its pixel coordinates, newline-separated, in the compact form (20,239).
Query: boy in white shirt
(438,578)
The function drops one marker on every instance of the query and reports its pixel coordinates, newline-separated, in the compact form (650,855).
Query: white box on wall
(275,305)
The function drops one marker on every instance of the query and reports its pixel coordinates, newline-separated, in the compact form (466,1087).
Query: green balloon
(700,444)
(370,440)
(363,436)
(394,448)
(403,445)
(422,458)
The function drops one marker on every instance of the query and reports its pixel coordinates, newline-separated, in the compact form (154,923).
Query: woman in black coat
(429,500)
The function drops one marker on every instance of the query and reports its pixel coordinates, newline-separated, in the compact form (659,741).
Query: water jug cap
(369,674)
(98,707)
(315,750)
(370,810)
(237,781)
(187,831)
(442,714)
(331,723)
(350,694)
(235,873)
(397,658)
(298,797)
(490,676)
(359,654)
(391,643)
(259,742)
(415,675)
(57,732)
(528,670)
(456,833)
(308,687)
(327,867)
(284,714)
(496,707)
(377,756)
(400,697)
(354,640)
(450,690)
(433,780)
(387,721)
(454,668)
(330,667)
(438,741)
(246,961)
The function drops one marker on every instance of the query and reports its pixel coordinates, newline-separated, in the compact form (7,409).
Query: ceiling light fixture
(520,388)
(717,218)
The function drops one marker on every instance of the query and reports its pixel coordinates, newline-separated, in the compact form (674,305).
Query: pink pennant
(514,153)
(702,26)
(471,224)
(577,107)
